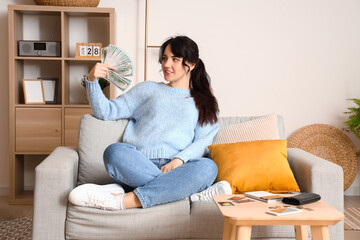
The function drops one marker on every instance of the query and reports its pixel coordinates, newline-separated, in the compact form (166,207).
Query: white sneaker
(222,187)
(97,196)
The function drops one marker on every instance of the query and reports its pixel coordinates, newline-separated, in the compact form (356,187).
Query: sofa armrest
(314,174)
(318,175)
(55,177)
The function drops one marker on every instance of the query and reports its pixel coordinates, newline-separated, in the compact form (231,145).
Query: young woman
(161,158)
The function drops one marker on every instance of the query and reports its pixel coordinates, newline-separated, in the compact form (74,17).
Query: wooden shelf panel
(38,9)
(82,59)
(29,10)
(38,130)
(59,59)
(38,105)
(75,105)
(39,58)
(33,153)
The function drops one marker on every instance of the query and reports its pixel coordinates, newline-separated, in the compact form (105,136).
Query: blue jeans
(131,169)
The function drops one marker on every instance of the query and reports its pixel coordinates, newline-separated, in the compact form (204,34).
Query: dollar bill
(117,57)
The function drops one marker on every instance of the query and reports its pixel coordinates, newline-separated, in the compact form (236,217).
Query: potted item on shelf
(69,3)
(104,85)
(353,123)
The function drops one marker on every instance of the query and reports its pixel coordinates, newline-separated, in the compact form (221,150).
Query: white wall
(300,59)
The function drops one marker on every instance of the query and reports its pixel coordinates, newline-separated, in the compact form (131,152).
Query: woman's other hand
(100,70)
(176,162)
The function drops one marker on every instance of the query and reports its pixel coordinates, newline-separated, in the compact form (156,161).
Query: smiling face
(174,71)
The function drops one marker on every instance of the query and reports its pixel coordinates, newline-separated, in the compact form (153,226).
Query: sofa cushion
(94,137)
(262,128)
(226,121)
(255,165)
(207,221)
(166,221)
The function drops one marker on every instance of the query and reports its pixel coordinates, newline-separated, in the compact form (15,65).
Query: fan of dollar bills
(117,57)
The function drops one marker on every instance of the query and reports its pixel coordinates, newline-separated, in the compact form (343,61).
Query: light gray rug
(16,229)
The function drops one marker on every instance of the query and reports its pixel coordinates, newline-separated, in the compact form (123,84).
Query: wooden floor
(8,212)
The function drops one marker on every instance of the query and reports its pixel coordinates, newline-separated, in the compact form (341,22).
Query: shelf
(86,13)
(77,106)
(35,130)
(59,59)
(38,105)
(81,11)
(32,153)
(34,68)
(39,58)
(83,59)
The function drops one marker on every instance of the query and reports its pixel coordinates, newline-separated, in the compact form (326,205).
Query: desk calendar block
(88,50)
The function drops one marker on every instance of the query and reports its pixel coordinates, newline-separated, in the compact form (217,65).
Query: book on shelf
(264,196)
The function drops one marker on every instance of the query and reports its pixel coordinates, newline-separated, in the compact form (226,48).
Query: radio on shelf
(39,48)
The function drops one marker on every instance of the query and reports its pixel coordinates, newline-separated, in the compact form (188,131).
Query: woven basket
(329,143)
(69,3)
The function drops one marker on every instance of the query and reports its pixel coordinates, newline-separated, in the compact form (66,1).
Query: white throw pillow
(262,128)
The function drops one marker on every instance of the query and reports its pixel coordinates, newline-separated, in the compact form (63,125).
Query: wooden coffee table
(239,219)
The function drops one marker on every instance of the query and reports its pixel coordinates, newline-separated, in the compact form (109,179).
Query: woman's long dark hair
(200,89)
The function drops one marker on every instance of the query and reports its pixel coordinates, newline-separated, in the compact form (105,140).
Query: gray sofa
(65,168)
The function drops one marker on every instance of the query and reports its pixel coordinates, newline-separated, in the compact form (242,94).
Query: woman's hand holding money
(100,70)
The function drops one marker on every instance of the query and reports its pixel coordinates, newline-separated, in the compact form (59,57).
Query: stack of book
(264,196)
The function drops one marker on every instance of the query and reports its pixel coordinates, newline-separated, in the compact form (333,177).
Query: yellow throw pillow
(254,166)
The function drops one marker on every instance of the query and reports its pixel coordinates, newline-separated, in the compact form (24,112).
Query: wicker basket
(329,143)
(69,3)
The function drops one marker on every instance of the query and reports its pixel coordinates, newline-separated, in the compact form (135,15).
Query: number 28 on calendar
(88,50)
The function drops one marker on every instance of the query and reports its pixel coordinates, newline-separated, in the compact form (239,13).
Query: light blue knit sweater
(163,120)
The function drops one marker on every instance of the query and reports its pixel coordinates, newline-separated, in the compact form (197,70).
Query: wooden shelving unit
(36,130)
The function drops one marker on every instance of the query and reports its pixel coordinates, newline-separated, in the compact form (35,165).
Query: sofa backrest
(226,121)
(95,135)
